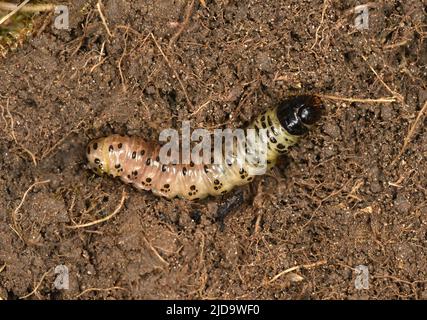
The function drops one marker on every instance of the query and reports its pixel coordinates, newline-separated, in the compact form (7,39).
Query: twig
(84,225)
(397,44)
(101,59)
(6,124)
(394,93)
(258,223)
(104,21)
(411,132)
(12,133)
(363,100)
(13,12)
(174,71)
(7,6)
(155,251)
(98,289)
(200,108)
(201,268)
(325,6)
(16,227)
(97,64)
(188,13)
(202,252)
(397,279)
(120,62)
(37,286)
(305,266)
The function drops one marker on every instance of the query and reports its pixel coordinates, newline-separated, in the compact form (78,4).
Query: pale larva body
(137,161)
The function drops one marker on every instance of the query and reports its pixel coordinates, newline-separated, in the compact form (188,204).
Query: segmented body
(137,161)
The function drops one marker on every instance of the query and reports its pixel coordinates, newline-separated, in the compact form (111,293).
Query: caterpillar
(137,161)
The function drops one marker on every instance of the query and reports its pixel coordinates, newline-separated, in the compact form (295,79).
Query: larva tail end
(298,113)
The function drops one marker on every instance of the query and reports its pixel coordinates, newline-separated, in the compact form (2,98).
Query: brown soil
(349,194)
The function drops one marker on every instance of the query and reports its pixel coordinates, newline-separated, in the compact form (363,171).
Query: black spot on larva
(250,178)
(129,177)
(117,166)
(263,125)
(110,148)
(205,167)
(148,162)
(223,192)
(164,167)
(184,171)
(273,139)
(120,145)
(148,179)
(158,159)
(216,188)
(88,150)
(241,171)
(135,173)
(191,164)
(166,186)
(95,146)
(193,187)
(142,152)
(134,155)
(97,161)
(270,123)
(281,146)
(268,161)
(242,177)
(190,194)
(263,118)
(216,181)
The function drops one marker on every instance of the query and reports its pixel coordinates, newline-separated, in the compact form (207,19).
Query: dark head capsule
(297,113)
